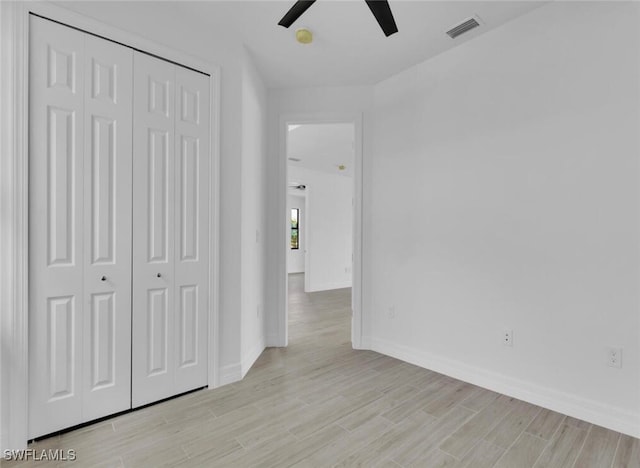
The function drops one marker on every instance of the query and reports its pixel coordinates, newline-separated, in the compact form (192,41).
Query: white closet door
(153,360)
(107,227)
(80,227)
(55,227)
(191,228)
(170,230)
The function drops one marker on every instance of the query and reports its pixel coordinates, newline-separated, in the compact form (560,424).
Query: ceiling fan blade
(382,12)
(295,12)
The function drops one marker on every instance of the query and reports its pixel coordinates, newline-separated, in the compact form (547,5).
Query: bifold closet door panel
(119,199)
(170,229)
(79,227)
(107,227)
(153,360)
(191,228)
(56,255)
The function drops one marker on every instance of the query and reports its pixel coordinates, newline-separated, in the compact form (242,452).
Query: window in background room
(294,228)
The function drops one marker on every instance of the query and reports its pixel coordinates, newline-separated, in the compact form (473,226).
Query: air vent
(465,26)
(295,159)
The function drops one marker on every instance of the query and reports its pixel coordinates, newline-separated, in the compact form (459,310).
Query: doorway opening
(321,160)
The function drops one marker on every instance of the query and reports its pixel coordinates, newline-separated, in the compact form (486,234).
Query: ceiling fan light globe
(304,36)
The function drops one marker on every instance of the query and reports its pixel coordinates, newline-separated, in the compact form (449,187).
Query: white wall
(329,228)
(505,195)
(295,257)
(254,145)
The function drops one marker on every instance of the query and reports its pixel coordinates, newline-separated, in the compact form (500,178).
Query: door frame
(14,178)
(282,228)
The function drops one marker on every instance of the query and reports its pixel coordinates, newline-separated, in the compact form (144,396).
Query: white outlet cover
(507,337)
(614,357)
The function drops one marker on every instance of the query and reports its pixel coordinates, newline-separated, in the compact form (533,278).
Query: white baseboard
(365,343)
(329,286)
(251,356)
(230,373)
(592,411)
(274,341)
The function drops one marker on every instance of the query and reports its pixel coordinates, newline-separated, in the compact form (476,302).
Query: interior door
(170,230)
(102,221)
(191,228)
(79,227)
(107,227)
(153,363)
(56,203)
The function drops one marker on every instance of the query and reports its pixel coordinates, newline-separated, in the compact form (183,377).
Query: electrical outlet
(507,337)
(392,312)
(614,357)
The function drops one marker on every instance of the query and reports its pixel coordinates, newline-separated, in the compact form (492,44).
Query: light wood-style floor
(319,403)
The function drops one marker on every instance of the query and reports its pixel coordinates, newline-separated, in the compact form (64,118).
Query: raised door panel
(61,174)
(108,69)
(56,218)
(192,228)
(102,356)
(188,315)
(61,319)
(158,196)
(153,360)
(157,331)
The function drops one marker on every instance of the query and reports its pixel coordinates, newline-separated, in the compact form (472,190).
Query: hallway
(319,319)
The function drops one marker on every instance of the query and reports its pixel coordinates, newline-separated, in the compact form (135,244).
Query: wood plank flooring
(319,403)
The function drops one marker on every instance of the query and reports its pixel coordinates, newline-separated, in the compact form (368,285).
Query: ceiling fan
(379,8)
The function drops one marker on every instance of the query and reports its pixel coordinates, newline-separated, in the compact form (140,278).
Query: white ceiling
(322,147)
(348,49)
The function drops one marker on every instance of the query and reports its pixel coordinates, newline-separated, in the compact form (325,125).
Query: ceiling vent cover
(465,26)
